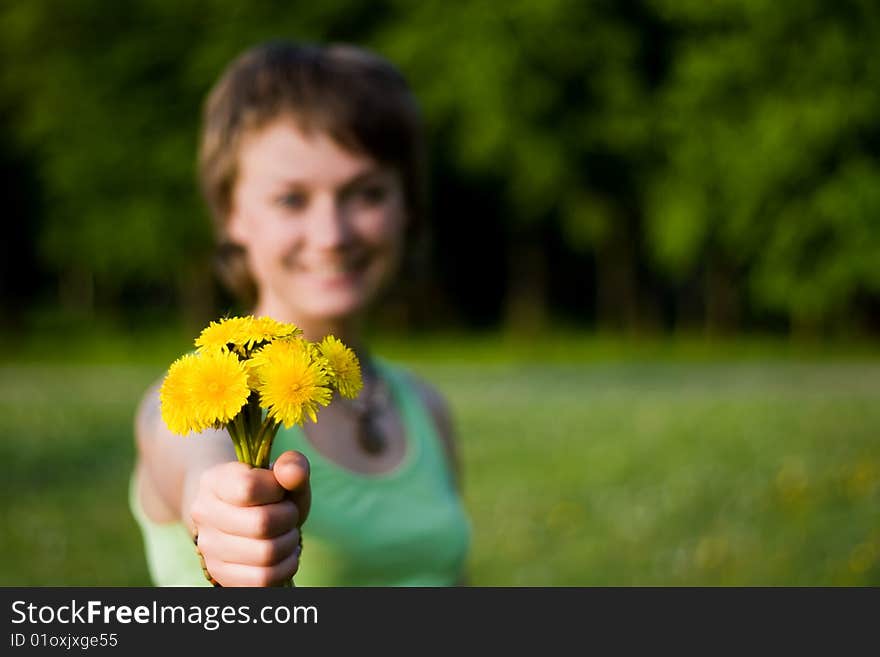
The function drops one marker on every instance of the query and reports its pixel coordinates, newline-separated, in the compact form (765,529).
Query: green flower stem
(242,428)
(258,438)
(236,441)
(242,431)
(255,414)
(253,421)
(266,437)
(237,427)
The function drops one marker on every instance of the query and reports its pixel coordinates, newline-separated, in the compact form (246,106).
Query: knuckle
(215,570)
(262,522)
(243,489)
(287,568)
(267,553)
(231,469)
(262,576)
(250,488)
(197,513)
(291,514)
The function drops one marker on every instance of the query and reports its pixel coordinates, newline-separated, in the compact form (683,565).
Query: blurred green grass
(587,462)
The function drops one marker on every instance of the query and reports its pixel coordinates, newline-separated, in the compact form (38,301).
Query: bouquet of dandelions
(249,375)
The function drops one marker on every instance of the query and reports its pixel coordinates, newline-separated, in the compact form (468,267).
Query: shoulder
(148,414)
(441,414)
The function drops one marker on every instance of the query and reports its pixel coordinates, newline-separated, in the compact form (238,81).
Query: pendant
(369,437)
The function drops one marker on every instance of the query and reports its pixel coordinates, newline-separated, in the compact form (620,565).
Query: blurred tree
(108,109)
(771,188)
(20,274)
(548,98)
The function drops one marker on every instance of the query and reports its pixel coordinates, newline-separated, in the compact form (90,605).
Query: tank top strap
(418,423)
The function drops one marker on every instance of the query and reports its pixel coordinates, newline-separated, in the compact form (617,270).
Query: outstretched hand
(248,520)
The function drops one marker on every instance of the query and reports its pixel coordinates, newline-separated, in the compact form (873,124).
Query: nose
(328,227)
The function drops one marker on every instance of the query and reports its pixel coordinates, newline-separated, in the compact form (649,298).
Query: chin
(333,307)
(338,299)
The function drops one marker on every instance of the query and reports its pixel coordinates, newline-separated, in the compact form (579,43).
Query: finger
(246,487)
(302,498)
(265,521)
(293,472)
(248,551)
(236,574)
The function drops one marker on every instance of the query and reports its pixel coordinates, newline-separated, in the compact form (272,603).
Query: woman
(310,163)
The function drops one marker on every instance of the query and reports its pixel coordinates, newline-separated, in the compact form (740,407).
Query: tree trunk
(526,309)
(196,297)
(76,291)
(617,293)
(722,300)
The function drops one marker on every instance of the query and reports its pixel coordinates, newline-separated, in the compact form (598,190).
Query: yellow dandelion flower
(243,333)
(252,367)
(176,397)
(228,333)
(343,366)
(292,384)
(220,387)
(268,329)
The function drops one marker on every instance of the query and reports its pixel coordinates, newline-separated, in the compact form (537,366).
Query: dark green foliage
(691,162)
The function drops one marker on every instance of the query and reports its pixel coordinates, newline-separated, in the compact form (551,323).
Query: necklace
(367,408)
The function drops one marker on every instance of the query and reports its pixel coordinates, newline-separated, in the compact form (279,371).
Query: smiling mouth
(332,269)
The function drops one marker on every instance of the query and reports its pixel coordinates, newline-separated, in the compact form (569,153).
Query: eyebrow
(347,186)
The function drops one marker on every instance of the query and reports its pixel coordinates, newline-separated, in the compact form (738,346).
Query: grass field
(652,467)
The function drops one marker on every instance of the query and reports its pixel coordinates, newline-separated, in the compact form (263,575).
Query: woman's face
(322,227)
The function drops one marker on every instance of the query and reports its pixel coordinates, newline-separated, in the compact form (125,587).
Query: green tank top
(406,527)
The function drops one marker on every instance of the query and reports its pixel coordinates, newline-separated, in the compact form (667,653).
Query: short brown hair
(356,97)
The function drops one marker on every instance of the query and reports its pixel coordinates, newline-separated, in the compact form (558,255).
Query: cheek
(385,229)
(266,246)
(386,239)
(389,257)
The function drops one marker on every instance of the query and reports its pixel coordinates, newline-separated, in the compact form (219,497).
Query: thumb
(292,472)
(291,469)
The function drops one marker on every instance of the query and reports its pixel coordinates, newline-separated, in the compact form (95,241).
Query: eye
(373,194)
(293,201)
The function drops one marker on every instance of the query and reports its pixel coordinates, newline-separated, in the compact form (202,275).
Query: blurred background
(653,298)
